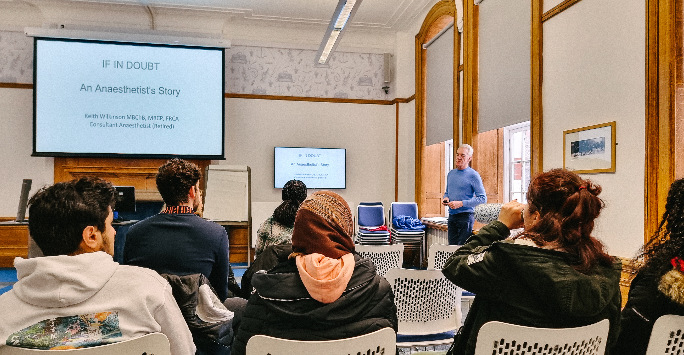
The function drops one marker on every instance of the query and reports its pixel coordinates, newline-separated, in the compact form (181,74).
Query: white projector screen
(116,99)
(317,168)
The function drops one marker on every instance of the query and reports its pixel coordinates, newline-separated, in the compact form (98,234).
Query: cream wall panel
(594,73)
(16,146)
(254,127)
(550,4)
(407,152)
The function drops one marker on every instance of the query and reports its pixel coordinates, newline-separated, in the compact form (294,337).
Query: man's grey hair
(468,148)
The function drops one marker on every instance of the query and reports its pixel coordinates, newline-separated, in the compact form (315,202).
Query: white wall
(16,146)
(594,72)
(254,127)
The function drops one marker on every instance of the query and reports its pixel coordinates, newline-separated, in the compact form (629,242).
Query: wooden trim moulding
(309,99)
(16,86)
(660,112)
(471,49)
(536,61)
(271,97)
(558,9)
(405,100)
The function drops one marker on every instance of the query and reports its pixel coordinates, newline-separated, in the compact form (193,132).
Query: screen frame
(316,148)
(221,156)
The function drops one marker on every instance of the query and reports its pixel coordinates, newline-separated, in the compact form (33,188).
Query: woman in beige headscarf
(323,290)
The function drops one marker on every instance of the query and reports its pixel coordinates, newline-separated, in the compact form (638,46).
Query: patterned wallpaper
(16,58)
(291,72)
(250,70)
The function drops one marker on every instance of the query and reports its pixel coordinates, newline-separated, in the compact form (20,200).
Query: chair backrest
(404,209)
(439,254)
(427,303)
(373,203)
(384,257)
(154,343)
(370,216)
(667,336)
(382,341)
(504,338)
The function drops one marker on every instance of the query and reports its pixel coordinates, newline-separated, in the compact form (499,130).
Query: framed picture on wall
(590,150)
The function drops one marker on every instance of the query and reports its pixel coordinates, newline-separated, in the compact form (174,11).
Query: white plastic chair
(379,342)
(154,343)
(384,257)
(438,254)
(503,338)
(427,304)
(667,336)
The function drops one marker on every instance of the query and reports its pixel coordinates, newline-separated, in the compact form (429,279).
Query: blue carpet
(8,276)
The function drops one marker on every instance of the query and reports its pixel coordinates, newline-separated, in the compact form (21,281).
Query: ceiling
(392,15)
(276,23)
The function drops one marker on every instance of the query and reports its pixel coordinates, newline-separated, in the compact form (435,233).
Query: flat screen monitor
(121,99)
(125,199)
(318,168)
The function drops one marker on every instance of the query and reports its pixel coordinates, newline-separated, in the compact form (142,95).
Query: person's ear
(535,216)
(90,238)
(192,192)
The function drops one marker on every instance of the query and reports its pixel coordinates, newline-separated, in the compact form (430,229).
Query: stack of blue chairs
(372,229)
(408,230)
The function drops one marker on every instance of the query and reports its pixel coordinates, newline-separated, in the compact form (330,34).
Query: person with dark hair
(553,274)
(658,287)
(77,295)
(322,290)
(177,241)
(277,229)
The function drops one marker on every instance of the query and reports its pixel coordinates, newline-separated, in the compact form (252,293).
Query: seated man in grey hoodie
(77,295)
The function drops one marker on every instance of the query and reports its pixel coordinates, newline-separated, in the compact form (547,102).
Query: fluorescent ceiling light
(343,13)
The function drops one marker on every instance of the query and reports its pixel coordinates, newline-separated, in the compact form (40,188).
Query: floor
(8,276)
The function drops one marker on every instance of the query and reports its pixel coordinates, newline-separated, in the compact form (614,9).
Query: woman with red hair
(553,274)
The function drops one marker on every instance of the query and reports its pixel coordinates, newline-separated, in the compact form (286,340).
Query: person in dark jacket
(269,258)
(554,274)
(658,287)
(323,290)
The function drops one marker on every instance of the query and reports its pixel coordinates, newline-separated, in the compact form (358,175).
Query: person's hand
(445,201)
(511,214)
(455,204)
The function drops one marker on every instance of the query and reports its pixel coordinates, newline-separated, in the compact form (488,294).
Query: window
(516,162)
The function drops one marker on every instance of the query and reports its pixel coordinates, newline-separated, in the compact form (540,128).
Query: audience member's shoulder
(143,223)
(142,275)
(210,224)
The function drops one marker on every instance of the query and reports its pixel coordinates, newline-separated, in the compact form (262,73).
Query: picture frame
(590,150)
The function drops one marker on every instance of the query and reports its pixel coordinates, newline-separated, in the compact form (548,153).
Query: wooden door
(433,179)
